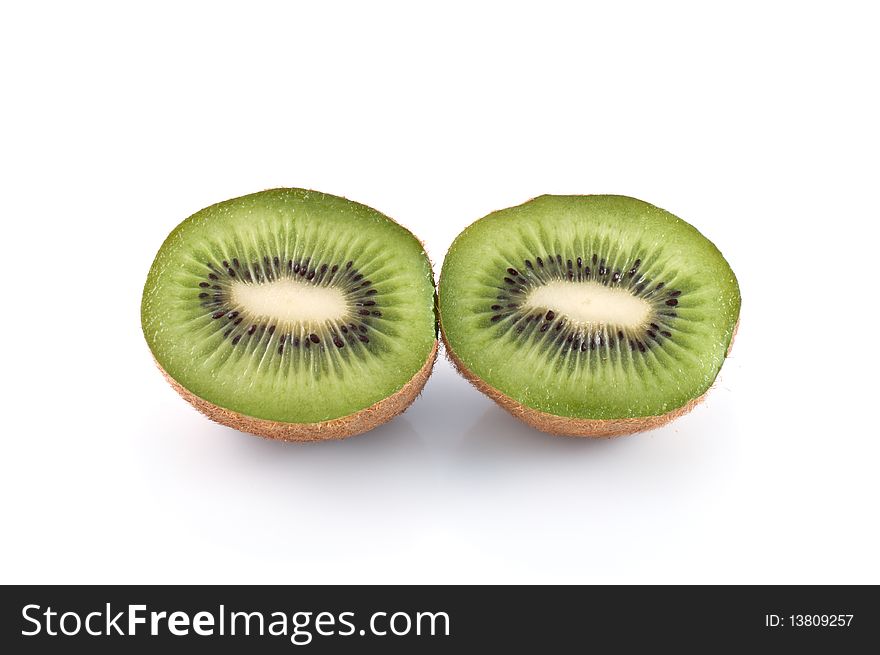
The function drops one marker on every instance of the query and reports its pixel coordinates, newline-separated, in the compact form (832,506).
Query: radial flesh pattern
(291,306)
(589,307)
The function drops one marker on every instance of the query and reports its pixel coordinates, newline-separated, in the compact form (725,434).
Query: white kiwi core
(590,303)
(287,300)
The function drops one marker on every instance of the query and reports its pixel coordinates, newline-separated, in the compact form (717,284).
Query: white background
(757,123)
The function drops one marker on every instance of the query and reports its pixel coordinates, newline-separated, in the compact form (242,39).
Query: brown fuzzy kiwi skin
(566,426)
(337,428)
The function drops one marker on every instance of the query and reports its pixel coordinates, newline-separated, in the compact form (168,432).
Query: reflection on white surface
(454,472)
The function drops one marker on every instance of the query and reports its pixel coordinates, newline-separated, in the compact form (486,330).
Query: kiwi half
(292,314)
(588,315)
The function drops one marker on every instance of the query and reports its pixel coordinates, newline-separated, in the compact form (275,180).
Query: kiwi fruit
(292,314)
(588,315)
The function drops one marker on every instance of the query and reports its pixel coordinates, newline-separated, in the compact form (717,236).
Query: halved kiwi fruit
(588,315)
(292,314)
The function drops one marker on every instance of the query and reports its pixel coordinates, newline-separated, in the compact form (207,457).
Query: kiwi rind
(334,429)
(573,427)
(558,419)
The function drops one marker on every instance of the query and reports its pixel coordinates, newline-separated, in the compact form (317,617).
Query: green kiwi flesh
(588,315)
(289,313)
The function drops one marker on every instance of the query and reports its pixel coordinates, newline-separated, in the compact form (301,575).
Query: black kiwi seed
(271,329)
(371,292)
(513,271)
(540,262)
(204,285)
(344,329)
(362,328)
(495,307)
(377,313)
(580,262)
(528,264)
(232,314)
(311,275)
(559,259)
(220,314)
(666,333)
(203,295)
(295,267)
(252,329)
(363,338)
(568,264)
(295,341)
(236,339)
(314,338)
(659,286)
(348,265)
(276,261)
(238,320)
(227,333)
(334,268)
(339,343)
(544,327)
(231,272)
(212,276)
(620,334)
(550,315)
(616,276)
(323,268)
(496,318)
(236,264)
(509,281)
(672,302)
(674,294)
(225,264)
(365,283)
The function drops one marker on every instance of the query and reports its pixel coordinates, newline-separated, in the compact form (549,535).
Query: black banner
(37,619)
